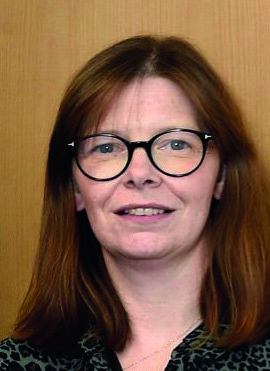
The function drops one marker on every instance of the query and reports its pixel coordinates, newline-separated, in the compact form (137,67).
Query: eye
(174,144)
(115,148)
(101,146)
(179,144)
(104,148)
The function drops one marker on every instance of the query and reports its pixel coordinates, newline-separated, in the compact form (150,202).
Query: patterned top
(94,356)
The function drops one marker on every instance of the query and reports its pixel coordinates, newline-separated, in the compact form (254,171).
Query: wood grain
(42,42)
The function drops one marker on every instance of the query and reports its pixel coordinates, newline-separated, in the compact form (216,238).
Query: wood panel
(43,41)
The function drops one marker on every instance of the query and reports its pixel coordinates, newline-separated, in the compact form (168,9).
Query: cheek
(194,187)
(93,195)
(85,191)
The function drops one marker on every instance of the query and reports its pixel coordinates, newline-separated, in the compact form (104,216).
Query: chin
(139,251)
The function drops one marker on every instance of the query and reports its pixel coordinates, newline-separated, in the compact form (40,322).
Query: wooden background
(42,42)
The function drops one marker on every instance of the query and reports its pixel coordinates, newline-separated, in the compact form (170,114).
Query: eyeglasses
(175,152)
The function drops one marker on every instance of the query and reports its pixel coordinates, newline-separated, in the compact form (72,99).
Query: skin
(143,110)
(150,259)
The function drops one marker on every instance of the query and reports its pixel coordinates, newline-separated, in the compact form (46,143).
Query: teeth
(146,211)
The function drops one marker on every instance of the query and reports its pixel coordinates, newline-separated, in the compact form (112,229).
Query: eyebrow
(156,132)
(164,128)
(109,131)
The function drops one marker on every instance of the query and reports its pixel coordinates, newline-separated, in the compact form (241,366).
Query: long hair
(71,294)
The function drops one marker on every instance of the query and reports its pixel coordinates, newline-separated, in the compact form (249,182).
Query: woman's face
(145,108)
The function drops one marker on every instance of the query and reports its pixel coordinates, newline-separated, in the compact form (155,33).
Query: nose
(140,172)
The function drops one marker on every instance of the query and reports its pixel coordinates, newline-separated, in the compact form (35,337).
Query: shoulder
(257,355)
(254,357)
(207,357)
(21,356)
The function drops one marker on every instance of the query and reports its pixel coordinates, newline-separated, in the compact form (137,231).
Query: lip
(144,220)
(120,210)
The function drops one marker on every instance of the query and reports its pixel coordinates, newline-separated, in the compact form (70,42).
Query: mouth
(144,211)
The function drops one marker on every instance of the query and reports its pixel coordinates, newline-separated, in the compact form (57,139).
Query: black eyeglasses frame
(131,146)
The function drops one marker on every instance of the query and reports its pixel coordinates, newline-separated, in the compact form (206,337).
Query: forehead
(152,104)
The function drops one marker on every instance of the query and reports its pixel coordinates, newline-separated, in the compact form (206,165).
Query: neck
(159,294)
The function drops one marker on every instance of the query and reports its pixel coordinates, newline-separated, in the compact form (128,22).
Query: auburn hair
(71,294)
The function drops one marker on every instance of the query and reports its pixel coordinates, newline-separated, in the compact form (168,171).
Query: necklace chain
(182,335)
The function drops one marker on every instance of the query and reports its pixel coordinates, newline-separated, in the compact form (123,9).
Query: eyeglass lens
(175,153)
(102,157)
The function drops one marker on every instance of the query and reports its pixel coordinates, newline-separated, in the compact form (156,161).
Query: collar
(99,357)
(197,345)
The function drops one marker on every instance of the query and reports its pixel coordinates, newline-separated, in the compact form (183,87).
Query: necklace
(182,335)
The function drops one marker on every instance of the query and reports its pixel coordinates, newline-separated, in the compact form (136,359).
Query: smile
(144,211)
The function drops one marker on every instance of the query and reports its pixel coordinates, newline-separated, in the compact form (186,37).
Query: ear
(78,197)
(220,183)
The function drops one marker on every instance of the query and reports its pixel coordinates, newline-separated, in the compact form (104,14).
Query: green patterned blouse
(94,356)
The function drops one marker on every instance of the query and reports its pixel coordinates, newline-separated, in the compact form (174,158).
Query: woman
(154,249)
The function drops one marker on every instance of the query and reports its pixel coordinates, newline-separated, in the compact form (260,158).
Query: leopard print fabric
(93,356)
